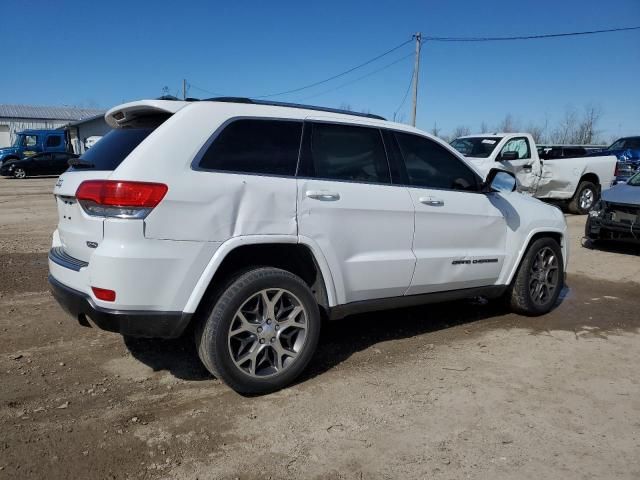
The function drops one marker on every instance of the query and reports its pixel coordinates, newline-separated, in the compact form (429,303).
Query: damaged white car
(246,223)
(577,182)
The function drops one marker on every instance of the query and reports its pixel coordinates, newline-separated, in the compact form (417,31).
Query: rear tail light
(104,294)
(120,199)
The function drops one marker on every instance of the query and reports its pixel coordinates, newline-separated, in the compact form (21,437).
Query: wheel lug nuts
(268,322)
(262,340)
(259,329)
(273,339)
(277,327)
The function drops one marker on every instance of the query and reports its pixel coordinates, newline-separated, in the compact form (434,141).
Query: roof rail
(291,105)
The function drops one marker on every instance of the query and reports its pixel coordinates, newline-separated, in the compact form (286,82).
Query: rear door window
(258,146)
(114,147)
(54,141)
(346,152)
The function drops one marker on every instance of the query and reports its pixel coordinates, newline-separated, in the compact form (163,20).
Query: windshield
(112,149)
(23,140)
(635,180)
(476,146)
(617,145)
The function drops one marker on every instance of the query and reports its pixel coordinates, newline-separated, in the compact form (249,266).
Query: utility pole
(184,89)
(416,70)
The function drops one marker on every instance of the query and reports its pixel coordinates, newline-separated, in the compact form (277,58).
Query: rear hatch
(79,232)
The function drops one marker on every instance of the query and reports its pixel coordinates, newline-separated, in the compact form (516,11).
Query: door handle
(432,202)
(323,195)
(527,168)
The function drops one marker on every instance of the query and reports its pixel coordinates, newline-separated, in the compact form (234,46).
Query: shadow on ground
(586,308)
(613,247)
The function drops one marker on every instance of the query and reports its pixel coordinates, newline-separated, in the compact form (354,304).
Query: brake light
(104,294)
(121,199)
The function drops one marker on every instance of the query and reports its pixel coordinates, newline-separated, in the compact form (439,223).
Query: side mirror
(508,156)
(499,181)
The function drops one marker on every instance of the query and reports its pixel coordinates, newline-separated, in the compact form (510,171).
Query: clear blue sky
(102,53)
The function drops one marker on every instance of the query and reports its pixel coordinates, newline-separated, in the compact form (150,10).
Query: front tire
(539,280)
(584,199)
(262,331)
(20,173)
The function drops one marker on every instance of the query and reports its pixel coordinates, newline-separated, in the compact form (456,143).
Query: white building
(15,118)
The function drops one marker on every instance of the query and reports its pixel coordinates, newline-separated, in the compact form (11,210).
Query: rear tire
(20,173)
(262,331)
(539,280)
(585,198)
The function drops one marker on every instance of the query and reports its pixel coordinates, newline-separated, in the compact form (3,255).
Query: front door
(42,164)
(524,167)
(348,207)
(460,233)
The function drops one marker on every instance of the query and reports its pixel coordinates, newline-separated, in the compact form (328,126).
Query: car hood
(622,193)
(4,151)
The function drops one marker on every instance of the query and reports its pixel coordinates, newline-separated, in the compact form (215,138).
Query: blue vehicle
(627,150)
(31,142)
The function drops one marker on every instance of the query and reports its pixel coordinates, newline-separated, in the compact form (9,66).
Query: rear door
(460,233)
(40,164)
(348,207)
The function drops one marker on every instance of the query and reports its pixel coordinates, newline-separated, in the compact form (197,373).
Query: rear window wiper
(79,163)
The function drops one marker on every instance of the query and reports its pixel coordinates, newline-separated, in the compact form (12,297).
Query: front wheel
(584,199)
(20,173)
(539,280)
(262,331)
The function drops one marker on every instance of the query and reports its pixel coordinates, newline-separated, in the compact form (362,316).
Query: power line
(217,94)
(355,79)
(406,94)
(527,37)
(315,84)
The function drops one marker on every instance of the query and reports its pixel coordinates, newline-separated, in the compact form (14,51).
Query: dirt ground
(462,390)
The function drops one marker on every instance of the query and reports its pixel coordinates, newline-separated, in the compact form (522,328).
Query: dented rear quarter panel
(206,205)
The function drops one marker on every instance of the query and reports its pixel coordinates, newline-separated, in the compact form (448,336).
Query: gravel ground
(462,390)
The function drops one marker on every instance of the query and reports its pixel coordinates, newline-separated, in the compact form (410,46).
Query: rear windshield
(112,149)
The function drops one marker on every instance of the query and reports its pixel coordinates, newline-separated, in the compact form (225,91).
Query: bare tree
(484,128)
(436,131)
(508,124)
(564,133)
(538,131)
(346,106)
(460,131)
(587,131)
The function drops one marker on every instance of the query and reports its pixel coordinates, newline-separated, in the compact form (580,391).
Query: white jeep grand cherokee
(249,222)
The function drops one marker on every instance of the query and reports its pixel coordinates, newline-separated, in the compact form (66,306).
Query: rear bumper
(137,323)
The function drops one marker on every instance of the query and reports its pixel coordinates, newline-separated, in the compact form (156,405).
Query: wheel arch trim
(525,246)
(233,243)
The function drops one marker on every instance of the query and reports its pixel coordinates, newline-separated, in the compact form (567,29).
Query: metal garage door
(4,136)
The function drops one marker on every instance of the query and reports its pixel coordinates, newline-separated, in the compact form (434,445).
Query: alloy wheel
(587,197)
(19,173)
(268,332)
(544,276)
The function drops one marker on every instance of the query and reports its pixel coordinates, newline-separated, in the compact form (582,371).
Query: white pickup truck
(577,182)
